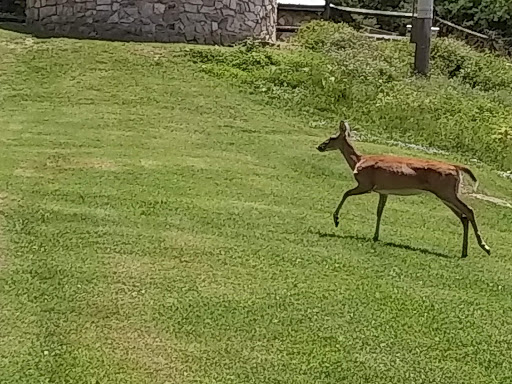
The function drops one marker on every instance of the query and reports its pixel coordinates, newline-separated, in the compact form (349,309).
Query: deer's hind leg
(456,203)
(465,226)
(468,212)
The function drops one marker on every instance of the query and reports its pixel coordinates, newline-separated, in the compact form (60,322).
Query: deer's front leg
(359,190)
(380,209)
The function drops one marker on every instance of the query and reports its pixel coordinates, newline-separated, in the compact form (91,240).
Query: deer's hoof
(336,221)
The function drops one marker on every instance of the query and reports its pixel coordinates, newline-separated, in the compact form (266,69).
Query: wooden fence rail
(372,12)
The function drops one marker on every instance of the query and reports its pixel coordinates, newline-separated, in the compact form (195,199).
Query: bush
(454,59)
(480,15)
(333,72)
(287,75)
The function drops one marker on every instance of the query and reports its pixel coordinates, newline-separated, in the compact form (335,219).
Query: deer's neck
(351,155)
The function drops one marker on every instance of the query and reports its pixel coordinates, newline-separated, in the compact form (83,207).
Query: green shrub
(287,75)
(479,15)
(454,59)
(319,36)
(333,72)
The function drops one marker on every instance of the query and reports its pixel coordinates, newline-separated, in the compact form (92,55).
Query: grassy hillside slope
(163,226)
(333,71)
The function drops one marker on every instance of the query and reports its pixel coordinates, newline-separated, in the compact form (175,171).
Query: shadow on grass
(24,28)
(120,36)
(15,27)
(386,244)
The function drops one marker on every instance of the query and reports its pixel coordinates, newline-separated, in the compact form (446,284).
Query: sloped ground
(163,226)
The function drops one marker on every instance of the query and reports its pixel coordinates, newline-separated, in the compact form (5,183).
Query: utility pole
(421,34)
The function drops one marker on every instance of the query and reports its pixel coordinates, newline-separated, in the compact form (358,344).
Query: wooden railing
(475,39)
(372,12)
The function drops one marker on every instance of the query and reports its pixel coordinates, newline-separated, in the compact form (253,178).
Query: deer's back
(388,173)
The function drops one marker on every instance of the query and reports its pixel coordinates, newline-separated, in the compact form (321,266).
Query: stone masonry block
(146,10)
(159,8)
(208,10)
(132,11)
(47,12)
(114,18)
(228,12)
(154,19)
(101,17)
(126,20)
(190,8)
(67,11)
(171,16)
(32,14)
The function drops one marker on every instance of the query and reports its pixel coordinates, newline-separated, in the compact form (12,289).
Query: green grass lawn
(161,226)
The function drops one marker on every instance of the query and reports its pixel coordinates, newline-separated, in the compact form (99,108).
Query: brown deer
(393,175)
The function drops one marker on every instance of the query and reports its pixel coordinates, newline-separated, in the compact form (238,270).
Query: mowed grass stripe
(167,227)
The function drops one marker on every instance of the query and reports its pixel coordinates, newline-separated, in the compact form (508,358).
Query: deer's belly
(400,192)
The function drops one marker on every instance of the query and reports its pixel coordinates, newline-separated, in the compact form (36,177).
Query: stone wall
(197,21)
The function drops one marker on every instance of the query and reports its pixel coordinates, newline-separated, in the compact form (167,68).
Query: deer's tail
(472,176)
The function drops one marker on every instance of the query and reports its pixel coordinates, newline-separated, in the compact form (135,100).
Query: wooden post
(423,29)
(327,10)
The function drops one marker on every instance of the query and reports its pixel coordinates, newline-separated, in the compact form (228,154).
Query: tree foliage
(479,15)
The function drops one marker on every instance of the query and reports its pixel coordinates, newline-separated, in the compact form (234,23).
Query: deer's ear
(342,126)
(345,128)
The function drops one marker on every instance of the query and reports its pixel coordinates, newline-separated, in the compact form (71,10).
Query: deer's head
(338,140)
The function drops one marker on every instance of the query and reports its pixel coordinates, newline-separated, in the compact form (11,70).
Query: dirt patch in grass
(81,163)
(147,349)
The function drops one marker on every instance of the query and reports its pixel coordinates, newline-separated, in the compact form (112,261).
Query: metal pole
(424,16)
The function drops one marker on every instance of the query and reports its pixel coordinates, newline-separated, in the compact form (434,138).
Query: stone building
(200,21)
